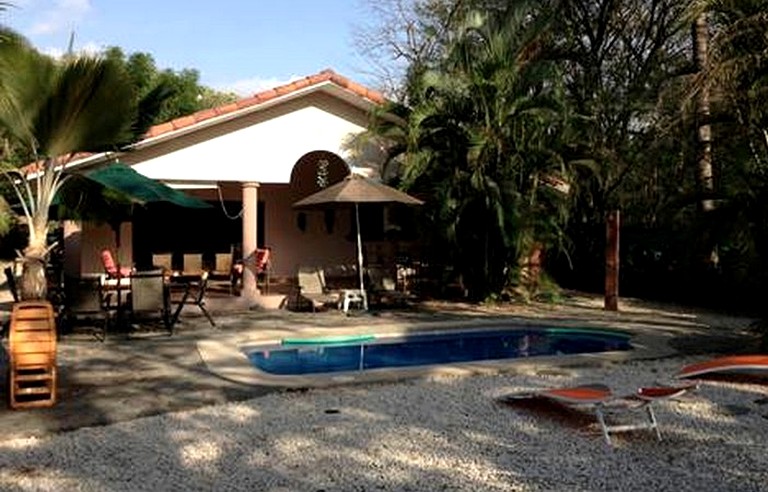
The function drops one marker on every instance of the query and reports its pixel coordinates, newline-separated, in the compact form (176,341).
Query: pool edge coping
(224,357)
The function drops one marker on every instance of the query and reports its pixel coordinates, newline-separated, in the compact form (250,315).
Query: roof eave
(325,86)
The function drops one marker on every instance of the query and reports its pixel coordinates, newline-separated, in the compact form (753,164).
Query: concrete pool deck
(128,378)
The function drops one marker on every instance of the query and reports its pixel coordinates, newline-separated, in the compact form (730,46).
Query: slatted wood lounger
(32,347)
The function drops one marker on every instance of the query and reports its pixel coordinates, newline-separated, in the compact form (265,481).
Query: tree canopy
(51,110)
(47,112)
(185,94)
(603,100)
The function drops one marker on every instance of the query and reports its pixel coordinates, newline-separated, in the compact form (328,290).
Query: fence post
(612,261)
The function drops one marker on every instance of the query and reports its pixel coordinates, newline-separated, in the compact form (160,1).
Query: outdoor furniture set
(121,299)
(336,286)
(225,267)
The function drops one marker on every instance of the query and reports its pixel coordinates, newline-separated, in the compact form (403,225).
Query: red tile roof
(34,167)
(327,75)
(265,96)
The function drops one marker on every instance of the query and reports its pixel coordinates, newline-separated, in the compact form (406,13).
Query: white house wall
(262,148)
(292,247)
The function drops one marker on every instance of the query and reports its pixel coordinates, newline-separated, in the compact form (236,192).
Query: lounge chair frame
(312,286)
(193,263)
(163,261)
(601,400)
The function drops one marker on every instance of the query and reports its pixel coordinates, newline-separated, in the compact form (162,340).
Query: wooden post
(612,261)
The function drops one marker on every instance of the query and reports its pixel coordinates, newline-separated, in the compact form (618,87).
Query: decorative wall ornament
(322,173)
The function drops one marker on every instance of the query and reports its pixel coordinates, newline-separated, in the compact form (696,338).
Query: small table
(353,297)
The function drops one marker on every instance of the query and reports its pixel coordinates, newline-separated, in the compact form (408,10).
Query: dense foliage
(51,110)
(185,94)
(55,109)
(610,105)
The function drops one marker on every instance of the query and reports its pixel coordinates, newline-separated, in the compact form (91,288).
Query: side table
(353,298)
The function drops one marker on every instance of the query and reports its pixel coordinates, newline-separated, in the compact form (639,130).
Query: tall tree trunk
(704,176)
(34,285)
(705,180)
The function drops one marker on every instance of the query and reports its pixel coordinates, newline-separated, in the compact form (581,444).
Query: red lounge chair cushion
(730,363)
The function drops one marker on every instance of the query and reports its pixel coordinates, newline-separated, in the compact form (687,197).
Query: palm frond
(89,108)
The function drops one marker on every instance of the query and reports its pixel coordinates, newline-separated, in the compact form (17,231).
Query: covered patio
(250,160)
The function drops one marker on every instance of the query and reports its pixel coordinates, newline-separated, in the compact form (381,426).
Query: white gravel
(445,434)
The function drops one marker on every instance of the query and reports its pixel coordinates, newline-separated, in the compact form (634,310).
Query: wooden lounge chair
(312,287)
(32,347)
(604,403)
(224,268)
(743,365)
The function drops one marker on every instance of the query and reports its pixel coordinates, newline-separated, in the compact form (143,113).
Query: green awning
(140,189)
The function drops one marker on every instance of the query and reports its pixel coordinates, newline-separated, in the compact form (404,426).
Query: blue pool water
(334,355)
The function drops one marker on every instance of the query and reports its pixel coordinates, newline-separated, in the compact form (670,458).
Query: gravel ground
(441,434)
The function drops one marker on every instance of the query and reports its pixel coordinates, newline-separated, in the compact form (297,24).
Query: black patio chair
(11,281)
(194,294)
(85,302)
(150,299)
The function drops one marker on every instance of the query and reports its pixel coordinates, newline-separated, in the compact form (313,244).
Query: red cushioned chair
(262,266)
(110,267)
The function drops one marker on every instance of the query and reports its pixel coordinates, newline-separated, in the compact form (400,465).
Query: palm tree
(700,34)
(56,109)
(479,137)
(736,76)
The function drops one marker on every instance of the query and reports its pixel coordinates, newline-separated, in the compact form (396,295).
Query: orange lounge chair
(730,364)
(600,399)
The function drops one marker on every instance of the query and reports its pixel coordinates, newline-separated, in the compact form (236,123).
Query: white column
(250,291)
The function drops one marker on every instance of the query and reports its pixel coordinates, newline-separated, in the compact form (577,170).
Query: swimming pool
(367,352)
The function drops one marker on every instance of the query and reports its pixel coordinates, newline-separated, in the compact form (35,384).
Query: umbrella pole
(360,257)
